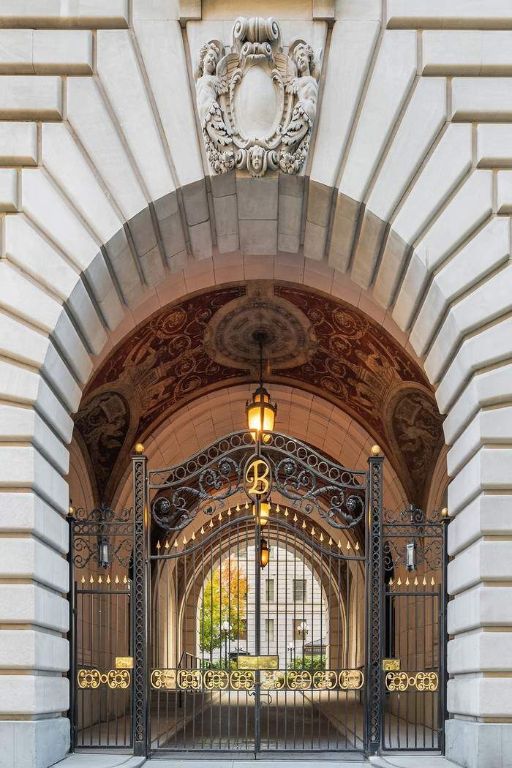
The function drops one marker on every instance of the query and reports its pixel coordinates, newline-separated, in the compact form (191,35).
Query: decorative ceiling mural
(202,344)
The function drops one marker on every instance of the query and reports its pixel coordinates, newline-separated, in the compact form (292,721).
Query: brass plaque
(391,665)
(258,662)
(124,662)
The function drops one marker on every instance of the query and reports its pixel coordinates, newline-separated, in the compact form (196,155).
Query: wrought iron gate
(414,630)
(216,685)
(257,599)
(101,621)
(257,606)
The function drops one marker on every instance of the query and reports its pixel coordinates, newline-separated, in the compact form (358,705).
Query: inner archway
(349,362)
(179,381)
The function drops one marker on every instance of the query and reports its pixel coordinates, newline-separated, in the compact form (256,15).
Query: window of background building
(299,590)
(269,628)
(270,590)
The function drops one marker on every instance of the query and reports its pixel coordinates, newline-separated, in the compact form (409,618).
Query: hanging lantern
(264,553)
(260,410)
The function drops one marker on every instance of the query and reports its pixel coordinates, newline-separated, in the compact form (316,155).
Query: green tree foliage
(224,599)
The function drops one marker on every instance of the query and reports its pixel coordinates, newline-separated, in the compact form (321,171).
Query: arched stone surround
(169,360)
(404,210)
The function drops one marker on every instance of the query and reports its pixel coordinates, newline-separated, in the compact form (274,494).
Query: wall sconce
(103,545)
(410,556)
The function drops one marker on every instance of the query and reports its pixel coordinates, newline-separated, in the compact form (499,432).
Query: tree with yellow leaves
(223,601)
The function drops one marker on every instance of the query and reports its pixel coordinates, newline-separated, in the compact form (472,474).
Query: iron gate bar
(72,635)
(443,635)
(375,607)
(140,613)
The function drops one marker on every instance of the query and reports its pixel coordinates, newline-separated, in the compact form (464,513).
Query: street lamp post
(303,631)
(291,653)
(226,628)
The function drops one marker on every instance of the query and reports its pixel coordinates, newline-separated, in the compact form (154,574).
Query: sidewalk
(127,761)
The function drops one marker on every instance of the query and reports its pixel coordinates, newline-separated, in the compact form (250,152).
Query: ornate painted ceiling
(315,342)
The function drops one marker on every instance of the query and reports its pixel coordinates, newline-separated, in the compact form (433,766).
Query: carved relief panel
(256,103)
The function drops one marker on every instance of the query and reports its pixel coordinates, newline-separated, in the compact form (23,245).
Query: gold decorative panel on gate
(419,681)
(246,680)
(113,678)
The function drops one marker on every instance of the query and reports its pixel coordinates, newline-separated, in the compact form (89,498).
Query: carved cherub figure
(297,133)
(217,135)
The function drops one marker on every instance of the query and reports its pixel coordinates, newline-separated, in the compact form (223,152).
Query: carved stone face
(210,61)
(257,158)
(301,57)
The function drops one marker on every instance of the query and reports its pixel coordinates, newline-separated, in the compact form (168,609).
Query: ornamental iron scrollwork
(115,679)
(208,479)
(189,679)
(216,680)
(89,526)
(242,681)
(325,680)
(245,680)
(429,555)
(351,679)
(419,681)
(273,679)
(408,525)
(299,680)
(164,679)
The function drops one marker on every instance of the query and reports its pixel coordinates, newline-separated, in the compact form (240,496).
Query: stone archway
(108,216)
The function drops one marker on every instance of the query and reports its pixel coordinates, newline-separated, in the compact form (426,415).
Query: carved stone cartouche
(256,104)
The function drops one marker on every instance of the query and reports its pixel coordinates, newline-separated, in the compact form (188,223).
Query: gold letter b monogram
(256,477)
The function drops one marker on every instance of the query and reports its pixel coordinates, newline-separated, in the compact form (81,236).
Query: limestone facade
(108,211)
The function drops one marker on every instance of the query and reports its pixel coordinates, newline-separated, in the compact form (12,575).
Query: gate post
(139,602)
(375,607)
(72,630)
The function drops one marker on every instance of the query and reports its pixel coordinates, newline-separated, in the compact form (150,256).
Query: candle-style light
(264,553)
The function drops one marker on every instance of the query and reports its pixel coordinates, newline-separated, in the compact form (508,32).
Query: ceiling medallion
(230,335)
(257,104)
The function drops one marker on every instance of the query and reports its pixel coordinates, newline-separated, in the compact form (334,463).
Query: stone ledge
(63,52)
(97,14)
(475,745)
(449,14)
(33,743)
(30,97)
